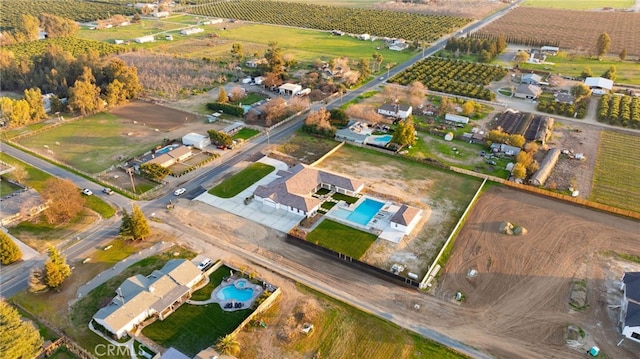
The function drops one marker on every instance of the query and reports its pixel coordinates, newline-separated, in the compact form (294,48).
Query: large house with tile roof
(294,189)
(140,297)
(630,308)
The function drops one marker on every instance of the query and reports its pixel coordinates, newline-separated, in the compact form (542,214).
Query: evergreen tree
(9,251)
(84,96)
(125,226)
(222,95)
(18,339)
(602,45)
(134,226)
(623,54)
(56,269)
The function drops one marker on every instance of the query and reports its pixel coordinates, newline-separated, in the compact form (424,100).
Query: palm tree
(228,345)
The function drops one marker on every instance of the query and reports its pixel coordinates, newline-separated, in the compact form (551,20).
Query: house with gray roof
(630,308)
(157,294)
(526,91)
(396,110)
(531,79)
(294,188)
(406,218)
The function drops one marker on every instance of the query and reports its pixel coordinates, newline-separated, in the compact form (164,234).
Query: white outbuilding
(196,140)
(599,85)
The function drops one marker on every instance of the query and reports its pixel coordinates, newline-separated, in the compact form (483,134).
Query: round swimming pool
(233,293)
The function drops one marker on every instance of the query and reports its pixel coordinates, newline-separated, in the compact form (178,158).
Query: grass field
(307,148)
(241,180)
(250,99)
(579,4)
(346,332)
(341,238)
(91,144)
(245,133)
(571,65)
(614,181)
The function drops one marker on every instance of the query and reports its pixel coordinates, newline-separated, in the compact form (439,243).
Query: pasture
(617,167)
(580,4)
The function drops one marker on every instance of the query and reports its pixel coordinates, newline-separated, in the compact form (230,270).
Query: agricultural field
(616,171)
(74,45)
(620,110)
(78,10)
(580,4)
(351,20)
(452,76)
(576,30)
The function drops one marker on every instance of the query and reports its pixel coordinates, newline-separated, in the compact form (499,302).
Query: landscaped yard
(341,238)
(344,197)
(195,327)
(250,99)
(241,180)
(93,143)
(215,278)
(245,133)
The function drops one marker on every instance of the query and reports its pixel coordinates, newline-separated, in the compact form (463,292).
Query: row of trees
(485,47)
(17,113)
(497,136)
(620,110)
(525,164)
(28,28)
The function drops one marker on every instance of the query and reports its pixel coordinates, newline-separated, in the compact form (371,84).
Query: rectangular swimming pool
(363,213)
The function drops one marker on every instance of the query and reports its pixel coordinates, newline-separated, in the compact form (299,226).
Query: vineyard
(78,10)
(617,169)
(456,77)
(71,44)
(351,20)
(576,30)
(620,110)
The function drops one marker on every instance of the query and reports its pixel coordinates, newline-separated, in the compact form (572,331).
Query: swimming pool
(379,140)
(362,214)
(233,293)
(166,149)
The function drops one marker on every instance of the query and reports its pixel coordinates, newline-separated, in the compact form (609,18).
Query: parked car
(204,264)
(108,191)
(87,192)
(179,191)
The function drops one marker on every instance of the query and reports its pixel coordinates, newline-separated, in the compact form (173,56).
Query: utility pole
(133,185)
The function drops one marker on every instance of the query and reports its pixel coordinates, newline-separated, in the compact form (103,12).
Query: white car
(204,264)
(87,192)
(382,78)
(179,191)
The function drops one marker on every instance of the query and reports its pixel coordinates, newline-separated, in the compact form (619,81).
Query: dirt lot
(522,288)
(155,116)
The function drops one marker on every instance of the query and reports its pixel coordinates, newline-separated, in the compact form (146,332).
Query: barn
(599,85)
(541,175)
(196,140)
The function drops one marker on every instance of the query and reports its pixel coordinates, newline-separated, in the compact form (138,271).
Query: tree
(580,91)
(220,138)
(56,26)
(84,96)
(271,79)
(603,44)
(117,69)
(468,107)
(19,174)
(9,251)
(531,147)
(36,105)
(521,56)
(222,95)
(56,269)
(273,55)
(364,68)
(136,18)
(519,171)
(404,133)
(237,93)
(154,171)
(417,93)
(27,28)
(64,200)
(115,93)
(236,51)
(623,54)
(135,226)
(275,110)
(516,140)
(338,117)
(228,345)
(610,73)
(18,338)
(586,72)
(36,281)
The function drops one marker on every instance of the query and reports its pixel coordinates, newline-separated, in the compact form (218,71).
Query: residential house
(506,149)
(564,97)
(599,85)
(233,128)
(401,111)
(406,218)
(289,89)
(22,205)
(398,45)
(630,308)
(536,56)
(531,79)
(294,188)
(160,14)
(196,140)
(530,92)
(140,297)
(169,158)
(364,37)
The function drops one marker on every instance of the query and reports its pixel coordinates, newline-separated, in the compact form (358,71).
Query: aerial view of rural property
(313,179)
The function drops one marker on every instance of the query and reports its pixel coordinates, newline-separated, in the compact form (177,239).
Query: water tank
(412,275)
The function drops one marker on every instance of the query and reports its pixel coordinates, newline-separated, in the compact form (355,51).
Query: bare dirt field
(474,9)
(155,116)
(522,287)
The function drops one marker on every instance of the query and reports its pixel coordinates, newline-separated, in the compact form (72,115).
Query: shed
(196,140)
(531,79)
(144,39)
(599,85)
(527,91)
(448,136)
(541,175)
(233,128)
(118,42)
(289,89)
(551,50)
(191,30)
(456,118)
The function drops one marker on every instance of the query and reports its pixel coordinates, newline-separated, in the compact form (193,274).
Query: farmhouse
(536,56)
(531,79)
(599,85)
(196,140)
(168,159)
(356,131)
(213,21)
(541,175)
(22,205)
(294,188)
(564,98)
(158,294)
(630,308)
(254,63)
(398,45)
(406,218)
(144,39)
(401,111)
(191,31)
(456,119)
(530,92)
(289,89)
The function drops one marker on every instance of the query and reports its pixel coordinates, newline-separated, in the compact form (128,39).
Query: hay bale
(506,228)
(519,231)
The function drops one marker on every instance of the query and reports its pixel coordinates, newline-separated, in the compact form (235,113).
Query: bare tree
(297,104)
(237,93)
(65,200)
(275,109)
(19,174)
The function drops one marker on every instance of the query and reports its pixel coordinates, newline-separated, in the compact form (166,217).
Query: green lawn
(250,99)
(341,238)
(7,188)
(120,249)
(215,279)
(245,133)
(145,27)
(344,197)
(194,327)
(573,65)
(241,180)
(579,4)
(91,144)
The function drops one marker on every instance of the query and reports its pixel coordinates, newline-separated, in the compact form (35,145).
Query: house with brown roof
(406,218)
(140,297)
(168,159)
(293,190)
